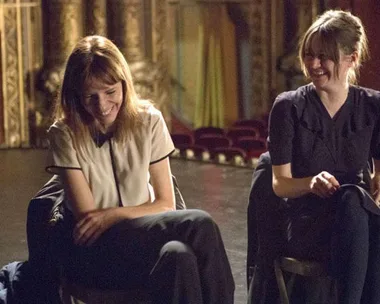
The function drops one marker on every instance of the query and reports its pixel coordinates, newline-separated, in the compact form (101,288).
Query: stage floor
(220,190)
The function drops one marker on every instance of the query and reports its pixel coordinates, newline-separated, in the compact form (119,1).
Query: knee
(175,247)
(177,250)
(199,219)
(205,223)
(202,217)
(350,206)
(198,228)
(349,199)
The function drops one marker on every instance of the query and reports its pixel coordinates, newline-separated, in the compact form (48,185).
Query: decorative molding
(260,43)
(307,11)
(64,30)
(2,78)
(126,28)
(277,78)
(11,93)
(20,34)
(160,57)
(133,24)
(159,28)
(96,17)
(65,19)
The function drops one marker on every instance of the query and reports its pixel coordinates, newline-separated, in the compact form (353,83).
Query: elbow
(277,189)
(173,205)
(167,204)
(170,208)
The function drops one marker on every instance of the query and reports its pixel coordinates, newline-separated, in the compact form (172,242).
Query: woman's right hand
(92,225)
(324,184)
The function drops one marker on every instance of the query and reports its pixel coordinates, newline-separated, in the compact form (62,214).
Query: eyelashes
(322,57)
(89,99)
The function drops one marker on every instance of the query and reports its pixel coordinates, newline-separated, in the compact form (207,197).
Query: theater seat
(201,131)
(75,294)
(307,269)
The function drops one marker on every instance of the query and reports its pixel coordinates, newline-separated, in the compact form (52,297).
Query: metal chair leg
(281,283)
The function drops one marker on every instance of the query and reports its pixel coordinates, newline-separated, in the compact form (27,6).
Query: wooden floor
(220,190)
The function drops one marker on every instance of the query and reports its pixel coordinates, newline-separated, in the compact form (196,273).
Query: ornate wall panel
(307,11)
(126,27)
(21,56)
(138,27)
(2,134)
(277,81)
(304,13)
(260,43)
(96,17)
(64,29)
(160,57)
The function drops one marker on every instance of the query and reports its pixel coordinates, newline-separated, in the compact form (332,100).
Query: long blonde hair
(96,57)
(338,31)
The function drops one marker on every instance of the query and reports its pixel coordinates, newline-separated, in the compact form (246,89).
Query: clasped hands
(92,224)
(325,185)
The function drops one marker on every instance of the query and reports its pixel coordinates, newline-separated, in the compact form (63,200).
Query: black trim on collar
(100,138)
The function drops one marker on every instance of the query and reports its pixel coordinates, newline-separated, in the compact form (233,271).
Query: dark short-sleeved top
(301,132)
(117,173)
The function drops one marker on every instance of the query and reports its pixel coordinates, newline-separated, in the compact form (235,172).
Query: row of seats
(241,144)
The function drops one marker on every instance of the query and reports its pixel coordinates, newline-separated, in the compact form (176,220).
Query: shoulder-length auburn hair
(96,57)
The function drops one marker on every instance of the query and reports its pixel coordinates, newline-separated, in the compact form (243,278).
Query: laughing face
(103,102)
(325,74)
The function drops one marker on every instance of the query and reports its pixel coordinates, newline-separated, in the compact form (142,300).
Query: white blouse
(114,169)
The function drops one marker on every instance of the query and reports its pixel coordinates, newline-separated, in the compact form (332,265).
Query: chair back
(180,139)
(254,147)
(213,141)
(208,131)
(259,124)
(236,133)
(230,152)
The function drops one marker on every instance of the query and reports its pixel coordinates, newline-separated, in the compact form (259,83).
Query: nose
(102,102)
(315,62)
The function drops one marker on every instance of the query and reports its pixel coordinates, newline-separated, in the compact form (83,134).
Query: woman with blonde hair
(111,151)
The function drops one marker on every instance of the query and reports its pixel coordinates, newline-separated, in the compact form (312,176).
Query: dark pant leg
(127,253)
(371,293)
(350,245)
(175,277)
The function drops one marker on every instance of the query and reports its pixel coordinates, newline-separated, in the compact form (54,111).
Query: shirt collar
(100,138)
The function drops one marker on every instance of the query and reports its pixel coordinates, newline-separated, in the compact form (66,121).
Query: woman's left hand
(93,224)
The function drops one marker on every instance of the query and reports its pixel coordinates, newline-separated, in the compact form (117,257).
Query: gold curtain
(216,98)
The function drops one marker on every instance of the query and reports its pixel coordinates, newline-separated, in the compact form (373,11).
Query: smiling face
(103,101)
(326,73)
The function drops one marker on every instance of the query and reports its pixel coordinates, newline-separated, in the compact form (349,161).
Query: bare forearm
(78,192)
(375,183)
(288,187)
(147,208)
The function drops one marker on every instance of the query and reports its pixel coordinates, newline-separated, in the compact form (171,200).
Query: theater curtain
(216,96)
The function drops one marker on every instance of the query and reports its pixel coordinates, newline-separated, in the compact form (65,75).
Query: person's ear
(354,58)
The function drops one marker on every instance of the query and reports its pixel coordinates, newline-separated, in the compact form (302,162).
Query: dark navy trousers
(178,256)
